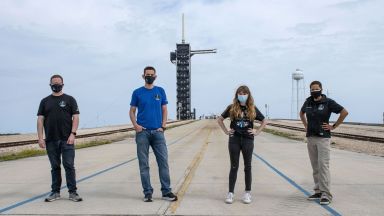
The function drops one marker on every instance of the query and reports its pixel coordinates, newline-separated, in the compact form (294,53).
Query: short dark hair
(316,83)
(149,68)
(56,76)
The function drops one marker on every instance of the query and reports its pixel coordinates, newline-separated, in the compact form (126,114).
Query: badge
(157,97)
(62,104)
(321,107)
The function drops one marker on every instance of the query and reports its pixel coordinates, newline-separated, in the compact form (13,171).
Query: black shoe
(170,197)
(315,196)
(148,198)
(325,201)
(75,197)
(52,197)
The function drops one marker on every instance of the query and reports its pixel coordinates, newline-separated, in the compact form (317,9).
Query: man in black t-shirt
(318,113)
(315,115)
(58,116)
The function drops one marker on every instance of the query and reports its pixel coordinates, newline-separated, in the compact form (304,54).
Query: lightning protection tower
(181,57)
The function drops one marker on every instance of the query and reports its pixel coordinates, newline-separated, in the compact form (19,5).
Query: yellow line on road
(190,172)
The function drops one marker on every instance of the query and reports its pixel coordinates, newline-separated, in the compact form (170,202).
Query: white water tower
(298,92)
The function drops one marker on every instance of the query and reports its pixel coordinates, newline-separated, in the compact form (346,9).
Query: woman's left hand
(254,132)
(327,127)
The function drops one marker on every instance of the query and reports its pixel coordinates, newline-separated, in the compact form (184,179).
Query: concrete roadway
(109,181)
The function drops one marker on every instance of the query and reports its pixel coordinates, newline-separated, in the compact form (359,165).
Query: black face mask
(149,79)
(316,94)
(56,88)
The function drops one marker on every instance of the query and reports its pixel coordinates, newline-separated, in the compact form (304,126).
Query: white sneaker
(229,198)
(247,198)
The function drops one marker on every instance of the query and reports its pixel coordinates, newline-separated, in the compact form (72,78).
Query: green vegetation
(9,134)
(38,152)
(94,143)
(23,154)
(283,134)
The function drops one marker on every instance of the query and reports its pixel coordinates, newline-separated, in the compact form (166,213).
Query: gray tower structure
(181,57)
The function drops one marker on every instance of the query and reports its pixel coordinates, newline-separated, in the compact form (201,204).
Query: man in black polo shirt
(58,115)
(315,115)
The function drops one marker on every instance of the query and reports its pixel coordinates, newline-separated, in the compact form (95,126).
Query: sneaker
(314,196)
(247,198)
(170,197)
(325,201)
(52,197)
(229,198)
(148,198)
(75,197)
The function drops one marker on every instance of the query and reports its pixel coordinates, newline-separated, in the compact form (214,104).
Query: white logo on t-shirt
(62,104)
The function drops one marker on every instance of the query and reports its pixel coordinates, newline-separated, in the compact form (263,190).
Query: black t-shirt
(58,112)
(241,125)
(319,112)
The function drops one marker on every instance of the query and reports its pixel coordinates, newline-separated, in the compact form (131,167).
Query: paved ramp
(109,180)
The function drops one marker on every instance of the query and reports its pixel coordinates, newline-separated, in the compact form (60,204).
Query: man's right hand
(42,143)
(138,128)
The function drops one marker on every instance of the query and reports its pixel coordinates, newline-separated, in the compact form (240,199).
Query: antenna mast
(182,29)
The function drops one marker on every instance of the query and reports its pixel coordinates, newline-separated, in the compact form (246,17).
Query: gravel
(371,148)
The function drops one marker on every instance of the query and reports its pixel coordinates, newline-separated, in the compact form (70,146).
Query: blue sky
(100,48)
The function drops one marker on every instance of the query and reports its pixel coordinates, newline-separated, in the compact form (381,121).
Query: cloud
(347,5)
(101,47)
(309,28)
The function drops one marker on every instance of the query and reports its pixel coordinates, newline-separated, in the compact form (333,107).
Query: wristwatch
(164,128)
(74,133)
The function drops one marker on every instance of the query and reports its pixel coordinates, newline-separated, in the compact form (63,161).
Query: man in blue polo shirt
(151,102)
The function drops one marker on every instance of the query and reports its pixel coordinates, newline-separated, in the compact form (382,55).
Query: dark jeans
(56,150)
(245,145)
(156,140)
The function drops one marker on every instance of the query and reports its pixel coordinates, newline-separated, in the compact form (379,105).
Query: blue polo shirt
(149,103)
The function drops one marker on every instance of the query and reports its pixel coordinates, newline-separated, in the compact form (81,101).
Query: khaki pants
(319,154)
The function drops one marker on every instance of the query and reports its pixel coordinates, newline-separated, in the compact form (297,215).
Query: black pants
(56,150)
(245,145)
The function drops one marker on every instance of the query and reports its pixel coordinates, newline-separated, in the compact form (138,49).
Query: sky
(100,47)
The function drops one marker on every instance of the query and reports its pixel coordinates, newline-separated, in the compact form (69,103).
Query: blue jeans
(156,140)
(56,150)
